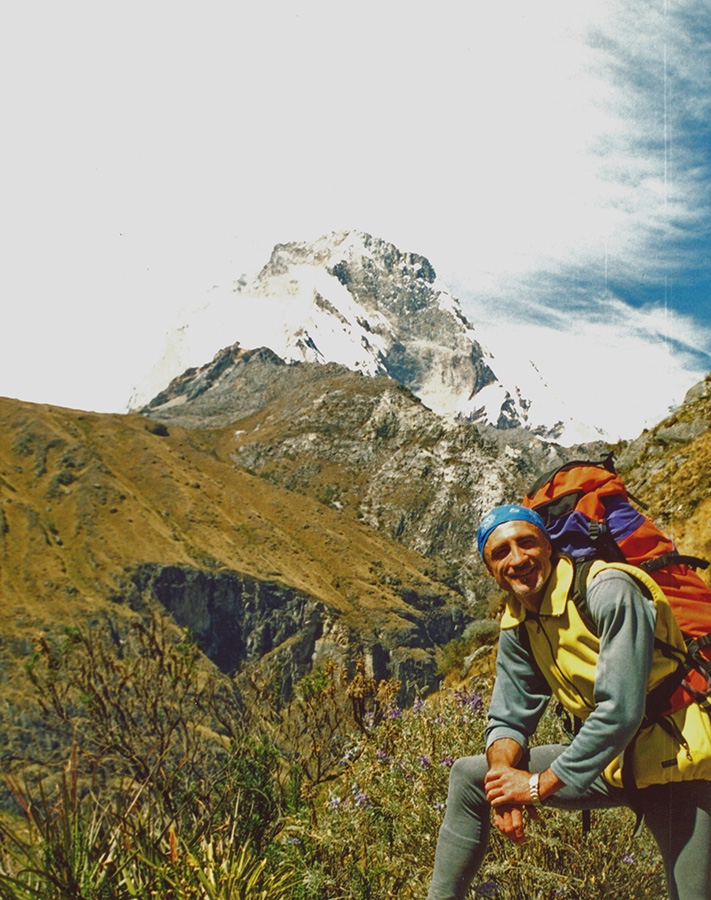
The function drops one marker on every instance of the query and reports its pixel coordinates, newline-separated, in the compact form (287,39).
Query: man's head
(517,552)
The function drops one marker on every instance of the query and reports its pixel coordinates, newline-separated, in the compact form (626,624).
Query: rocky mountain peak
(359,301)
(396,316)
(371,269)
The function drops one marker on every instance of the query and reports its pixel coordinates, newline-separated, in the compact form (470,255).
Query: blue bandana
(508,513)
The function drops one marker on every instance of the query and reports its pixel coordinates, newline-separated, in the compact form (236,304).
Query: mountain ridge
(366,445)
(287,532)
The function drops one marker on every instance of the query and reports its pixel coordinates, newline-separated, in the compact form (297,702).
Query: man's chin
(527,594)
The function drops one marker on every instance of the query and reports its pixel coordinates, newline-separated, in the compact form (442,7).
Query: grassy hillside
(87,500)
(85,495)
(339,791)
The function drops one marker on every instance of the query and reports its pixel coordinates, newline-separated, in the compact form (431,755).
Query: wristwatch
(533,790)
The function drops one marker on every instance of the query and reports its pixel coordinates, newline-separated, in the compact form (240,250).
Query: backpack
(588,515)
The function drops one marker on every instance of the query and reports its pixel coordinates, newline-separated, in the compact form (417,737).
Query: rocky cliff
(669,467)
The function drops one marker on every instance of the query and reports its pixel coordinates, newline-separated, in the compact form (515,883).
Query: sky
(551,160)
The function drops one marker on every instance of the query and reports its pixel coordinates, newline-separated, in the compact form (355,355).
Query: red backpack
(588,515)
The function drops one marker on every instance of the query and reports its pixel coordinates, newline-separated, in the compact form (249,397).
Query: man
(622,755)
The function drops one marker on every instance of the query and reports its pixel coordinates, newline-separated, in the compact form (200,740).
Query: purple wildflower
(469,701)
(447,762)
(362,799)
(394,712)
(424,761)
(629,859)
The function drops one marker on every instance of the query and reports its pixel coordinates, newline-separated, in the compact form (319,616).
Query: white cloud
(621,368)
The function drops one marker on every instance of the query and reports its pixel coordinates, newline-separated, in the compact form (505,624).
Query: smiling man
(628,752)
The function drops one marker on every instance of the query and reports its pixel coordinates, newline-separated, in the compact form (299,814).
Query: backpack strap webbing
(672,559)
(580,592)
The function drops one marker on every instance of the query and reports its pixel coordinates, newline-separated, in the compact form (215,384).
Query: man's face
(518,555)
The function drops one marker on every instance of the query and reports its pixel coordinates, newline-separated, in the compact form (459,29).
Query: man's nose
(517,555)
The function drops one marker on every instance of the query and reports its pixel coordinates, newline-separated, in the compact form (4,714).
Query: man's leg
(464,835)
(679,817)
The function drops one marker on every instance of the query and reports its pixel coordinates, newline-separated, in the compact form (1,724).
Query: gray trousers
(678,815)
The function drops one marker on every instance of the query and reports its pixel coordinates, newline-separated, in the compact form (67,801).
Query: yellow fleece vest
(567,651)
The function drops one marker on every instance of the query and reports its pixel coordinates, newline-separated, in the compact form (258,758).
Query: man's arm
(521,694)
(624,618)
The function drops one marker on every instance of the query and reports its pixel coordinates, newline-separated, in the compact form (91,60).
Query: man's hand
(509,820)
(508,791)
(506,785)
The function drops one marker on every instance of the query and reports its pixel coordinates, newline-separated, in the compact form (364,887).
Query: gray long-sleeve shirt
(624,621)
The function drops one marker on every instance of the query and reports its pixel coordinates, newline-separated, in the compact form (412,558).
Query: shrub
(452,655)
(376,826)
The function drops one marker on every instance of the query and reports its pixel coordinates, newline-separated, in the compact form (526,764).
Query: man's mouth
(524,574)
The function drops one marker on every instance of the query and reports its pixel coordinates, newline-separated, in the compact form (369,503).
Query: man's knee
(466,780)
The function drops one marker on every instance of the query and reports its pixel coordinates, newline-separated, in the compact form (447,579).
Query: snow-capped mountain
(359,301)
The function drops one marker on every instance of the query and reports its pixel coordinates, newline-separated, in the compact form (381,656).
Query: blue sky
(552,160)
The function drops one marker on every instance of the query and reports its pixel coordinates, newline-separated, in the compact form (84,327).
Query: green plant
(223,874)
(481,632)
(69,847)
(452,655)
(148,711)
(166,770)
(377,825)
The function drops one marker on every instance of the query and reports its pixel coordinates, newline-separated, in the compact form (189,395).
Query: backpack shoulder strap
(579,592)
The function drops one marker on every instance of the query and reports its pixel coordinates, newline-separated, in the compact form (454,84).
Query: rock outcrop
(239,621)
